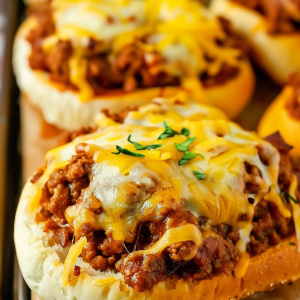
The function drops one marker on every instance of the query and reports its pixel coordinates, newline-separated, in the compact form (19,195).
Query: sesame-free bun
(64,109)
(42,267)
(274,53)
(278,118)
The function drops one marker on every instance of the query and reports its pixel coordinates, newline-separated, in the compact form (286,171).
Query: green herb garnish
(141,147)
(127,152)
(287,194)
(185,145)
(292,244)
(169,132)
(199,175)
(185,132)
(283,197)
(188,156)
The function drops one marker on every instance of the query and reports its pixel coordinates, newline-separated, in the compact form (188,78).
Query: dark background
(11,13)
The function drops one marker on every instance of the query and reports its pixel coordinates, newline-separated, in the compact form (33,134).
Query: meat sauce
(217,254)
(128,71)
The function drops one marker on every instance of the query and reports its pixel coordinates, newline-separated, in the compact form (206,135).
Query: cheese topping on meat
(181,31)
(223,147)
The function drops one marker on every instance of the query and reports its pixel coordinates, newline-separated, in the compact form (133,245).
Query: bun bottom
(42,268)
(54,102)
(274,53)
(277,118)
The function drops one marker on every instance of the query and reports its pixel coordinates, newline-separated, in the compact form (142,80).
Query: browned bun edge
(278,118)
(278,265)
(53,101)
(272,52)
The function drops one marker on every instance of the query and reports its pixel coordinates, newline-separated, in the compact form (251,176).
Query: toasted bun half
(64,109)
(42,267)
(274,53)
(278,118)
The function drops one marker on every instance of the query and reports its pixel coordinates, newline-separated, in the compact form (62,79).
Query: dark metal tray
(10,161)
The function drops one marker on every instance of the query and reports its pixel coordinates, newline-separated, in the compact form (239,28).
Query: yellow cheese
(103,281)
(133,190)
(183,233)
(274,197)
(68,274)
(78,70)
(194,85)
(178,22)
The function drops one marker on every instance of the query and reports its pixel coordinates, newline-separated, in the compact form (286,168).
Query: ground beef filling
(283,17)
(217,254)
(63,189)
(128,71)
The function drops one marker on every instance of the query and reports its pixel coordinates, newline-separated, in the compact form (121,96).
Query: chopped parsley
(185,132)
(188,156)
(185,145)
(283,197)
(141,147)
(199,175)
(169,132)
(292,244)
(127,152)
(283,194)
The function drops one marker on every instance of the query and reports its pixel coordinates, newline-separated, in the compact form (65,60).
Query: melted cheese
(103,281)
(133,189)
(188,232)
(242,265)
(78,69)
(68,273)
(182,31)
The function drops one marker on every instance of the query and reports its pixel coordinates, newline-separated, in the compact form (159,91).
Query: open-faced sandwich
(283,115)
(271,27)
(170,201)
(73,58)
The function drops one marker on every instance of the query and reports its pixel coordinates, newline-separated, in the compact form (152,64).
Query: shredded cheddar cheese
(182,233)
(68,274)
(181,31)
(131,189)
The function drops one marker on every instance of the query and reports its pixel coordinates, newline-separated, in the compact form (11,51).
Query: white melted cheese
(101,20)
(132,189)
(154,114)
